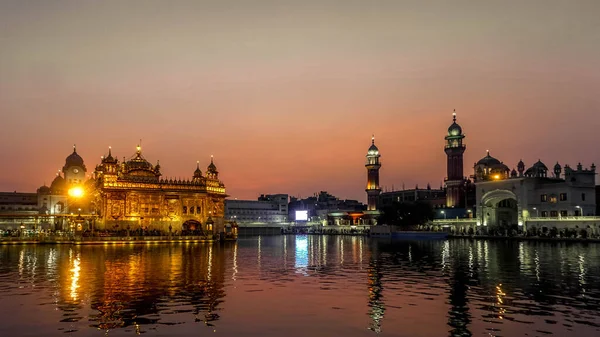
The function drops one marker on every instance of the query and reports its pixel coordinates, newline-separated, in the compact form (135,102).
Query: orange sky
(286,94)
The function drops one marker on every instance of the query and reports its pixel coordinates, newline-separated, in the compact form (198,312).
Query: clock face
(75,171)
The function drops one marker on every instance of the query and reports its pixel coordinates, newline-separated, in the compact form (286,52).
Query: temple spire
(454,116)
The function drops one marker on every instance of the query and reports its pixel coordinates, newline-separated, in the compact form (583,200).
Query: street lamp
(537,213)
(444,214)
(580,210)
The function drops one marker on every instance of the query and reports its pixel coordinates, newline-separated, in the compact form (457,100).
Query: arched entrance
(192,227)
(500,210)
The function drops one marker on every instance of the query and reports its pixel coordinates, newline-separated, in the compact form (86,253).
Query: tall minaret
(373,166)
(455,184)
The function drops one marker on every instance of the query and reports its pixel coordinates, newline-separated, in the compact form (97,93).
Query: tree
(406,215)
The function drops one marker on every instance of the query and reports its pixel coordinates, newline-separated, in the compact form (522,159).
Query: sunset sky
(286,94)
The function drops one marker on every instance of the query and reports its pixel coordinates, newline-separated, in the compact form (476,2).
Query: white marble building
(514,200)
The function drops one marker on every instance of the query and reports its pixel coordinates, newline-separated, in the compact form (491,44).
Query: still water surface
(302,286)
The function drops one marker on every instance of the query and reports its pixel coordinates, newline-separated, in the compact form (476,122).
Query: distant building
(269,208)
(510,198)
(329,210)
(15,208)
(435,197)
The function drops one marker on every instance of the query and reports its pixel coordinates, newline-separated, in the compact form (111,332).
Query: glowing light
(301,215)
(76,192)
(75,277)
(497,177)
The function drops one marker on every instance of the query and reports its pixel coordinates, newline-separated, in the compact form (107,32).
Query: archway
(192,226)
(501,211)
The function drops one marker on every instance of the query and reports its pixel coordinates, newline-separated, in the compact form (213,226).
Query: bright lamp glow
(76,192)
(497,177)
(301,215)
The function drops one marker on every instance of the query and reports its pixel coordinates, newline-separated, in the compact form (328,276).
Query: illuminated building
(270,208)
(133,194)
(511,199)
(455,181)
(373,165)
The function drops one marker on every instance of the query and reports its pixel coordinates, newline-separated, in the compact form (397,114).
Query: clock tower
(74,169)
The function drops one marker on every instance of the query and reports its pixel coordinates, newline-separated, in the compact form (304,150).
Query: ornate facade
(133,194)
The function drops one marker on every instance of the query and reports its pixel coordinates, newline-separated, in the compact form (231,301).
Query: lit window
(563,197)
(544,197)
(544,214)
(553,199)
(553,214)
(563,213)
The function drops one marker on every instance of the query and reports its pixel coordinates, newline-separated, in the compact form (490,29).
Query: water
(302,286)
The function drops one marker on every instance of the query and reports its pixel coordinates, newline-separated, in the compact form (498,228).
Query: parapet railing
(565,218)
(459,220)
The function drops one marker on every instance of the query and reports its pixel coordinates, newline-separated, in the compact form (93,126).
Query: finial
(373,139)
(211,158)
(488,152)
(74,148)
(454,115)
(197,164)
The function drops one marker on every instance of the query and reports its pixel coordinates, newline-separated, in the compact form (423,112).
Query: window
(544,197)
(582,196)
(184,209)
(563,197)
(553,214)
(544,214)
(553,199)
(563,213)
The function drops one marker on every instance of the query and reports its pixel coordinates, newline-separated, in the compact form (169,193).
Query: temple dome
(488,161)
(211,167)
(44,190)
(373,150)
(58,185)
(540,165)
(74,159)
(454,130)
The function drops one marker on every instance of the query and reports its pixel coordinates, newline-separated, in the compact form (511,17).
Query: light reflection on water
(302,286)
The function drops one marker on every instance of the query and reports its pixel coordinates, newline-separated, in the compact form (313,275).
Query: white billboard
(301,215)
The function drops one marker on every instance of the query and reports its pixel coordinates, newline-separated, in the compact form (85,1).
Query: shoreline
(107,240)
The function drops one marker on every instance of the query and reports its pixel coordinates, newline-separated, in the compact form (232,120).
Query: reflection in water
(428,288)
(301,253)
(75,275)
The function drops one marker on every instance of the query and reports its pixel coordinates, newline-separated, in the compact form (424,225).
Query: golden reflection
(21,263)
(75,277)
(445,255)
(210,258)
(235,266)
(500,301)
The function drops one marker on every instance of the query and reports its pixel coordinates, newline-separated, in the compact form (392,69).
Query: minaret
(455,189)
(373,165)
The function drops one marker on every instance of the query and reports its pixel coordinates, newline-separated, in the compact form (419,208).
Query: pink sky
(286,94)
